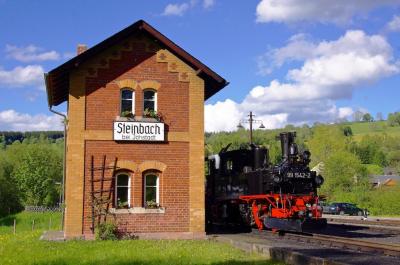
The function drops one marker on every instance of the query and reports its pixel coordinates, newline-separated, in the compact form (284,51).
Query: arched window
(149,100)
(127,103)
(151,190)
(123,190)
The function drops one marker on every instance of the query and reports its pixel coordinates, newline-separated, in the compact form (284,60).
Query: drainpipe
(65,149)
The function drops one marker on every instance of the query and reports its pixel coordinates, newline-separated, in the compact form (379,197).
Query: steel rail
(381,222)
(339,242)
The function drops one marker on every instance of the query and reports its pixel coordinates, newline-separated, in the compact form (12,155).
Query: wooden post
(50,224)
(33,224)
(112,188)
(100,206)
(92,192)
(15,226)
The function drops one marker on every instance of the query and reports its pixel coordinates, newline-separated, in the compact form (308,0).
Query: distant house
(385,180)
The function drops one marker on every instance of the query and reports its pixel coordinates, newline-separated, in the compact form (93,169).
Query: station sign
(138,131)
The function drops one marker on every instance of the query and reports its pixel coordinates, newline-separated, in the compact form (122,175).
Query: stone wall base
(172,235)
(158,235)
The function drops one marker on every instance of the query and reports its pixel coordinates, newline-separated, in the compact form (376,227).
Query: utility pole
(251,120)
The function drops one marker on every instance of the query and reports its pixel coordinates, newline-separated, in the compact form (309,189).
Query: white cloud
(30,53)
(345,112)
(325,11)
(394,24)
(331,70)
(222,116)
(22,76)
(208,3)
(10,120)
(181,9)
(176,9)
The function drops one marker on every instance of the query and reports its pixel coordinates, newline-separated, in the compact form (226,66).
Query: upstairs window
(127,103)
(149,100)
(151,190)
(123,191)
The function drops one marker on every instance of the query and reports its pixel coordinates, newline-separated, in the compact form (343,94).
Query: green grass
(361,129)
(24,222)
(25,248)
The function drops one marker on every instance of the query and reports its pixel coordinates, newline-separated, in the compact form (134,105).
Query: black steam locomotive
(244,188)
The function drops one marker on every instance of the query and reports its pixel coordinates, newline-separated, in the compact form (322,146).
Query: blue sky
(289,61)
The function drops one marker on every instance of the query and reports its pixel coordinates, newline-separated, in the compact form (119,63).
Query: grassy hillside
(361,129)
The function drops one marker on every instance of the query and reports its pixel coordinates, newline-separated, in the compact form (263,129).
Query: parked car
(343,208)
(325,207)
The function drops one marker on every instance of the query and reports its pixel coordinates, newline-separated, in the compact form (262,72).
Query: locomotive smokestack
(287,139)
(260,157)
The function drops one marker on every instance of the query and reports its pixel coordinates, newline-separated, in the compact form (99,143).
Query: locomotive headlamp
(277,179)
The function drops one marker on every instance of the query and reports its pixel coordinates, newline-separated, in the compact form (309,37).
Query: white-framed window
(151,190)
(123,190)
(149,100)
(127,102)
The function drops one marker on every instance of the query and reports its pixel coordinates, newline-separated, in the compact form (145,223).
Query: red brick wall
(174,184)
(103,94)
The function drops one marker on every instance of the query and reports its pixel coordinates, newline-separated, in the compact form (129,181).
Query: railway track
(336,242)
(372,222)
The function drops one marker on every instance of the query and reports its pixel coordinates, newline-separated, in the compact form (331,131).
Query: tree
(2,142)
(343,172)
(37,173)
(367,117)
(325,141)
(9,194)
(394,119)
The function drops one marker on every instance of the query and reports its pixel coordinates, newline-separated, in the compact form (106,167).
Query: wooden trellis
(101,198)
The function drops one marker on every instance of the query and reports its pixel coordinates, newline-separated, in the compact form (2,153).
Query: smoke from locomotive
(243,187)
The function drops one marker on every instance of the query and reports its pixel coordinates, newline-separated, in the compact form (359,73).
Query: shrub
(374,169)
(107,231)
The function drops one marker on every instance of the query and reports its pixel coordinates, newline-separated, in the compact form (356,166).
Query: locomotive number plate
(299,175)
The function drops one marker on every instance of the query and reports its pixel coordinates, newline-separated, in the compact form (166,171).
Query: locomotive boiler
(244,188)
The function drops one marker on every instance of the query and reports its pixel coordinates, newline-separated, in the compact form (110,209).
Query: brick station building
(135,135)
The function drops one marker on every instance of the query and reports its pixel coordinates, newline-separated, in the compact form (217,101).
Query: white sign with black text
(138,131)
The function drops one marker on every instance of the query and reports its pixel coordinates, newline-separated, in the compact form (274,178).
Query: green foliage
(10,137)
(383,201)
(38,173)
(393,119)
(367,117)
(9,194)
(149,113)
(343,172)
(107,231)
(2,142)
(326,141)
(127,114)
(347,131)
(374,169)
(24,222)
(369,150)
(30,173)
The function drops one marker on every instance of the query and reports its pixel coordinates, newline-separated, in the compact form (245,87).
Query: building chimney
(81,48)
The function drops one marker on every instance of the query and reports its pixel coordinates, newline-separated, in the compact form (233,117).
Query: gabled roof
(57,80)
